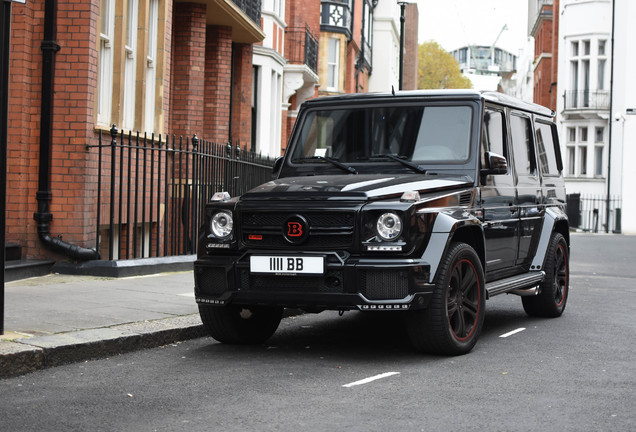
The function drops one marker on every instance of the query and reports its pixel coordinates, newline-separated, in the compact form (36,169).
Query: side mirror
(278,163)
(497,164)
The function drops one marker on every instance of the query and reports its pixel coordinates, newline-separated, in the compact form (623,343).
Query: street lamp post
(402,20)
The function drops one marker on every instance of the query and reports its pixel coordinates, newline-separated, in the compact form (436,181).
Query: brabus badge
(296,229)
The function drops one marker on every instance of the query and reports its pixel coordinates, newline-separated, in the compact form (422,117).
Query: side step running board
(525,284)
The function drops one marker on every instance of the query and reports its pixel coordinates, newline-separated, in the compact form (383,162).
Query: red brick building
(78,67)
(544,20)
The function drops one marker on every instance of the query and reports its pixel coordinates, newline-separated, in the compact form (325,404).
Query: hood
(354,187)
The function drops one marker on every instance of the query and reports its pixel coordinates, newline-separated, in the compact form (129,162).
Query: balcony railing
(335,15)
(587,99)
(252,9)
(302,47)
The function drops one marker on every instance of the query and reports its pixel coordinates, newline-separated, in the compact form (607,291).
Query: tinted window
(546,150)
(521,133)
(493,135)
(422,133)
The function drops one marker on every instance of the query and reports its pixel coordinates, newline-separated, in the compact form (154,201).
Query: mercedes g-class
(427,203)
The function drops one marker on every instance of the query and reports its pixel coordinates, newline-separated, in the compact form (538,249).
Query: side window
(546,149)
(492,139)
(521,134)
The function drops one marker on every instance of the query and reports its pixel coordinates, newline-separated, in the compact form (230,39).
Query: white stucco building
(595,128)
(386,47)
(267,95)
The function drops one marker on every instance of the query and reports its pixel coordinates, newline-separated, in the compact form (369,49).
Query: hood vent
(466,198)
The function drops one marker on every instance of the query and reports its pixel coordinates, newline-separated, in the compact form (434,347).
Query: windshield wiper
(401,159)
(334,162)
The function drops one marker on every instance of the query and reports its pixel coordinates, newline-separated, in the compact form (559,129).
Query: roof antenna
(392,89)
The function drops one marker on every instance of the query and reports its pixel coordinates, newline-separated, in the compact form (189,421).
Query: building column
(218,82)
(242,95)
(188,72)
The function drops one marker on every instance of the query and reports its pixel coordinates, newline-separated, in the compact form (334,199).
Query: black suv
(426,202)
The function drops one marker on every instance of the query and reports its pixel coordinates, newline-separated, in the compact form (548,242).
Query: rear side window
(521,133)
(546,149)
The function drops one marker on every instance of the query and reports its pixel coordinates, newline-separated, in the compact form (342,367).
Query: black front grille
(210,280)
(331,282)
(384,284)
(326,229)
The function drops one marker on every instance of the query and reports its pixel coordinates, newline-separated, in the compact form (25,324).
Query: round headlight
(221,225)
(389,226)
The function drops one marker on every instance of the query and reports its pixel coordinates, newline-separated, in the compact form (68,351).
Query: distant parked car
(426,202)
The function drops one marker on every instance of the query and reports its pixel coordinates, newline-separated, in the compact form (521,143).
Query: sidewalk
(57,319)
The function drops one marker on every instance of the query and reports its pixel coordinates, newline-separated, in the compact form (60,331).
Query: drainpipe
(43,216)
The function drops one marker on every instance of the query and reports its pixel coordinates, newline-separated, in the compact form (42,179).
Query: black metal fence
(589,212)
(151,191)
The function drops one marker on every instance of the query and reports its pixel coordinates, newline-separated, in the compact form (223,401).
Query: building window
(599,134)
(151,65)
(582,160)
(119,100)
(571,134)
(583,134)
(575,49)
(571,160)
(333,64)
(586,47)
(601,74)
(105,79)
(598,161)
(601,47)
(130,65)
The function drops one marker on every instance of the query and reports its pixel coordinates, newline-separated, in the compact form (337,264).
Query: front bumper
(346,283)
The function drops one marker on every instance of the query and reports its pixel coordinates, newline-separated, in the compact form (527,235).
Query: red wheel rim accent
(463,304)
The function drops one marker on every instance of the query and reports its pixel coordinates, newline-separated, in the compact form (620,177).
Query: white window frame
(105,78)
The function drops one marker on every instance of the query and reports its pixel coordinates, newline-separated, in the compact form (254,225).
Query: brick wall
(242,95)
(75,79)
(218,79)
(188,68)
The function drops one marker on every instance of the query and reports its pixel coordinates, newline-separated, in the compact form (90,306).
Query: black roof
(494,97)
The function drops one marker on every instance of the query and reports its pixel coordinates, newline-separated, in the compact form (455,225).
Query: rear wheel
(240,324)
(551,300)
(452,323)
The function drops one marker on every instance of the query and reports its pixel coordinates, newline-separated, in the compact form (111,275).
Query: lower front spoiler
(317,301)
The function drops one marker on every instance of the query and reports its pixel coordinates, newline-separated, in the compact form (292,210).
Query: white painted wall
(386,47)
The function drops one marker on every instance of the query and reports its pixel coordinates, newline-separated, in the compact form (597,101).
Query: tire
(453,321)
(553,294)
(240,325)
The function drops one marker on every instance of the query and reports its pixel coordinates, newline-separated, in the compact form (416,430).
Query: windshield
(424,134)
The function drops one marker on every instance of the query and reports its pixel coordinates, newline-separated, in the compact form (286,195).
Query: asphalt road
(574,373)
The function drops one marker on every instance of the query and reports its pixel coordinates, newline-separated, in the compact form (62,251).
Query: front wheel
(452,323)
(553,295)
(240,325)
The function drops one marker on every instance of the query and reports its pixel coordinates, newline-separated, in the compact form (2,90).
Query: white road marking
(370,379)
(505,335)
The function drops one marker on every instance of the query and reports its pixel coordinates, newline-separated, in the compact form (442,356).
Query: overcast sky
(456,23)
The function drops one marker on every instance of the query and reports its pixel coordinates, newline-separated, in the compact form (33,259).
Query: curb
(29,354)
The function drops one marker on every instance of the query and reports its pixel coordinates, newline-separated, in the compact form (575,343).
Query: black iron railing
(302,47)
(151,191)
(589,212)
(252,9)
(587,99)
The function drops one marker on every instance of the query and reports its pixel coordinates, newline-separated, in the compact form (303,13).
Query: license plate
(287,264)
